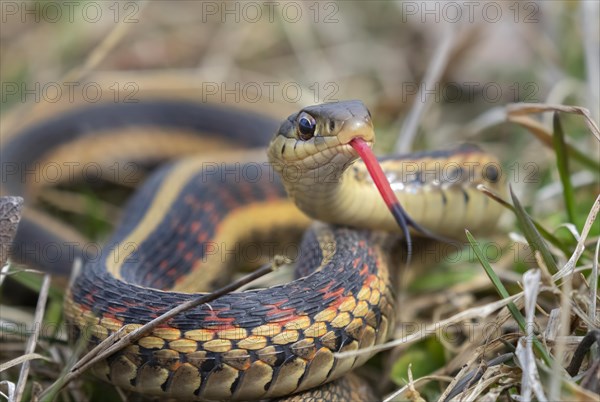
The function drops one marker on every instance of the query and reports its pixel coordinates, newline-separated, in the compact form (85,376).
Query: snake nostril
(331,125)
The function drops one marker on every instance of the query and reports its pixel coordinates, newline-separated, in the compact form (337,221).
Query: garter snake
(179,229)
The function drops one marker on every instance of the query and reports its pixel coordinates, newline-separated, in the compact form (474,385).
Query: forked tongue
(388,195)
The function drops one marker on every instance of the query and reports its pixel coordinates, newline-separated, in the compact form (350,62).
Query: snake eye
(306,126)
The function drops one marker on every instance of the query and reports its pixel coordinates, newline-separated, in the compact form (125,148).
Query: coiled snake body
(186,226)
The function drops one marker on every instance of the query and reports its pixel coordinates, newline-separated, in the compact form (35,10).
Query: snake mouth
(357,128)
(342,152)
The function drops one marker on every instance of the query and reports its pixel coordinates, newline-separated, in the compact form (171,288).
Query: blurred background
(432,73)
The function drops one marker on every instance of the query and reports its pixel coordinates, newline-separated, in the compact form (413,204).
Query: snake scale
(194,221)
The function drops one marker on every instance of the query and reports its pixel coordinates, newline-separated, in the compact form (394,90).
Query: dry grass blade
(472,313)
(517,109)
(100,52)
(78,72)
(410,387)
(514,311)
(541,133)
(432,75)
(32,342)
(490,118)
(9,270)
(491,376)
(565,302)
(580,247)
(385,56)
(21,359)
(594,284)
(303,39)
(469,375)
(219,60)
(463,377)
(535,127)
(10,390)
(530,380)
(52,392)
(4,272)
(130,333)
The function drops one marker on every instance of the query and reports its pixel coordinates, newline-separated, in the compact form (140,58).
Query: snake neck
(339,193)
(437,189)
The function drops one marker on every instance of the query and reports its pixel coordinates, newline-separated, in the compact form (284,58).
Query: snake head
(317,138)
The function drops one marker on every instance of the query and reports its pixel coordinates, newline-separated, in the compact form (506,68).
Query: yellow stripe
(167,193)
(239,224)
(176,180)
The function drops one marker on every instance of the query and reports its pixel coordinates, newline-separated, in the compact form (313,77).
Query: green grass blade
(545,138)
(582,158)
(546,234)
(562,162)
(514,311)
(534,239)
(492,275)
(33,281)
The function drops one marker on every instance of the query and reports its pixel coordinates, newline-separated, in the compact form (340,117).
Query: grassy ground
(498,319)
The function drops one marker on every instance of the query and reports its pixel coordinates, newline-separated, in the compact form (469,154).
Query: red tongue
(375,171)
(384,188)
